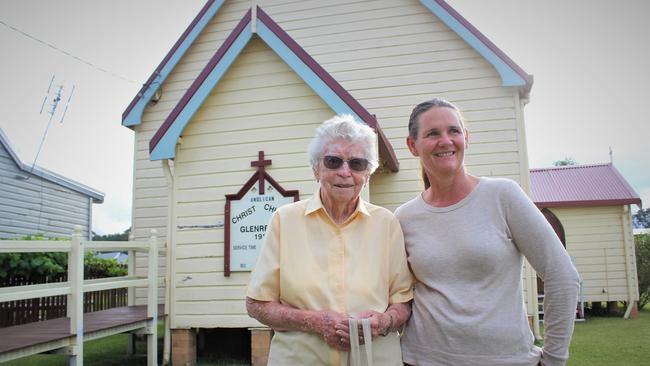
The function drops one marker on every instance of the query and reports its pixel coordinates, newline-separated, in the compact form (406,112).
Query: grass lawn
(109,351)
(599,341)
(610,341)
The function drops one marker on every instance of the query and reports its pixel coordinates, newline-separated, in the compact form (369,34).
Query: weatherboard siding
(595,238)
(389,55)
(150,207)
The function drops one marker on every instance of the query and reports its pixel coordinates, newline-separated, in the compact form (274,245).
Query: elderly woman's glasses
(356,164)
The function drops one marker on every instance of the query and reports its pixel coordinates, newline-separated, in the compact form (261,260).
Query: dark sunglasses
(356,164)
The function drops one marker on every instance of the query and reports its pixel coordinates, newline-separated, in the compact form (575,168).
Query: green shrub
(98,267)
(36,267)
(33,266)
(642,244)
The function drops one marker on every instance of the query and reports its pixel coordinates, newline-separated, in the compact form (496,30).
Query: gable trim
(162,145)
(132,115)
(511,74)
(324,76)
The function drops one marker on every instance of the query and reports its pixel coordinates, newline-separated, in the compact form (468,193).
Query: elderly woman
(466,238)
(331,257)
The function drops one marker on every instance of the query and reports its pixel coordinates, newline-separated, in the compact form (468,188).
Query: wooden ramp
(37,337)
(67,335)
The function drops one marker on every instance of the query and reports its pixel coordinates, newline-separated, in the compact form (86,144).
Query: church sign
(247,214)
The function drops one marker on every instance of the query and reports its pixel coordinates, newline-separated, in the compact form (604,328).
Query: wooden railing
(52,307)
(75,286)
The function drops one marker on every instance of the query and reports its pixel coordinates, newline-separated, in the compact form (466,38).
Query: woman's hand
(380,323)
(333,328)
(378,326)
(389,321)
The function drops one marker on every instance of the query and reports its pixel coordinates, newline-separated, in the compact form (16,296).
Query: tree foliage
(33,265)
(124,236)
(642,244)
(566,161)
(641,219)
(99,267)
(37,266)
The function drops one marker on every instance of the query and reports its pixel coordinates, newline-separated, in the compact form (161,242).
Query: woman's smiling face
(441,141)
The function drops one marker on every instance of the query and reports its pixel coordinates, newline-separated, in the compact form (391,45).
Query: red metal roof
(581,185)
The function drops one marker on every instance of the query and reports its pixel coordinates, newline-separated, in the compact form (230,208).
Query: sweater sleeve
(537,240)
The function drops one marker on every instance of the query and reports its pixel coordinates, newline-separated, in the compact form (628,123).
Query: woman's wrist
(390,324)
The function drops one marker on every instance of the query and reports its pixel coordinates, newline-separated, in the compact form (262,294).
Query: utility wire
(70,55)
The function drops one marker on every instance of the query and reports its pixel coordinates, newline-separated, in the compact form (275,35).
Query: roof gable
(132,115)
(511,74)
(162,145)
(4,141)
(581,185)
(97,196)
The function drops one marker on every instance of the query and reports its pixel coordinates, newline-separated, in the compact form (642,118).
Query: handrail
(32,291)
(63,288)
(105,246)
(122,246)
(108,283)
(75,287)
(34,246)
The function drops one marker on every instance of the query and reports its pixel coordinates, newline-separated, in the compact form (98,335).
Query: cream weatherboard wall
(600,240)
(388,54)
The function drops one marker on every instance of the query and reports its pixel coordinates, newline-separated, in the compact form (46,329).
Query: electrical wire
(96,67)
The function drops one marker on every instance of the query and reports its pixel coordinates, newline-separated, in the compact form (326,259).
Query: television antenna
(54,95)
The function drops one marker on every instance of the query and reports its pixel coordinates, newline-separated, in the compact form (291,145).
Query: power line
(96,67)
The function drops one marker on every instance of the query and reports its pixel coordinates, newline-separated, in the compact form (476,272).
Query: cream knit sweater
(468,307)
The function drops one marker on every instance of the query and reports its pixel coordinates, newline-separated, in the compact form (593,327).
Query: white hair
(344,127)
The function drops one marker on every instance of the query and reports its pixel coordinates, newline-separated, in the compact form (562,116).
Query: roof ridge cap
(575,166)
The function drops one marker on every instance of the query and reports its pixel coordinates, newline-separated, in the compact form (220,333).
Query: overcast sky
(589,60)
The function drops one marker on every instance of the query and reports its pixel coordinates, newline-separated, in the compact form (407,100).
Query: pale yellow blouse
(309,262)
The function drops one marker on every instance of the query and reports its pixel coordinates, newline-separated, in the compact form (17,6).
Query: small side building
(36,201)
(589,208)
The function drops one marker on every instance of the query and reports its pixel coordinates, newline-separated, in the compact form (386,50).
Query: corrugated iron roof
(581,185)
